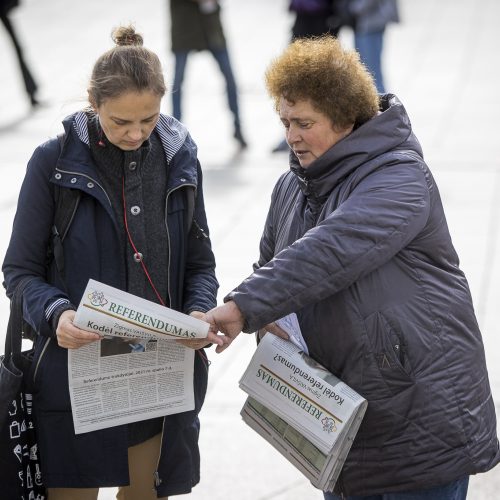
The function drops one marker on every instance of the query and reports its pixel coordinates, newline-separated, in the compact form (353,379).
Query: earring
(100,142)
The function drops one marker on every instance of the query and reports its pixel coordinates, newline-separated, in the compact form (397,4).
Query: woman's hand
(71,337)
(212,337)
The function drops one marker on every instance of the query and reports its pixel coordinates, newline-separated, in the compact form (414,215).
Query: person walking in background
(29,82)
(369,20)
(357,245)
(139,226)
(196,25)
(312,18)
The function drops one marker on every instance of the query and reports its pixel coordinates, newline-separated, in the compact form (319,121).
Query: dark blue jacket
(91,250)
(358,246)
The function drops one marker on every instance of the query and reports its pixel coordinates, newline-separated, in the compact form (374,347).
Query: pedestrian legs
(180,67)
(222,58)
(29,81)
(369,46)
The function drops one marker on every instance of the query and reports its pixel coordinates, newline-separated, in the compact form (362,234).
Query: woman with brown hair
(139,226)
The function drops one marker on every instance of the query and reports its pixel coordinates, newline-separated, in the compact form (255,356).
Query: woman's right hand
(71,337)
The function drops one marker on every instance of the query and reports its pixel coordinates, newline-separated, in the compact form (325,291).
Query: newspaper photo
(136,371)
(309,415)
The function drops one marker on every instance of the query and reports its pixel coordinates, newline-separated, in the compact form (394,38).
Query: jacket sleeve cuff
(194,308)
(247,328)
(54,311)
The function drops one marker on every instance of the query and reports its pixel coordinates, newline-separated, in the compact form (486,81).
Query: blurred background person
(29,82)
(313,18)
(368,19)
(196,25)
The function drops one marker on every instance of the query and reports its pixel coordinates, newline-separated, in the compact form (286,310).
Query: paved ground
(441,60)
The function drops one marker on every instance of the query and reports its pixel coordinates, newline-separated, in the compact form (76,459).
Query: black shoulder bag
(20,475)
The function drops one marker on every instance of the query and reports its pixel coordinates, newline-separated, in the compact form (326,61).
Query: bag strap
(190,195)
(13,339)
(66,201)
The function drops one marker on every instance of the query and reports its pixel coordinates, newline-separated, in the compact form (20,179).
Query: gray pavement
(441,61)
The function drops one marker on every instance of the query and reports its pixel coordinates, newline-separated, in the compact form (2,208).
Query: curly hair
(126,67)
(332,78)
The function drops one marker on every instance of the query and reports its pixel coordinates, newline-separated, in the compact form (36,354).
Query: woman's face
(308,132)
(128,120)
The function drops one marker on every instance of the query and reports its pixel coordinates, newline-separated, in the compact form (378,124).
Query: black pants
(29,82)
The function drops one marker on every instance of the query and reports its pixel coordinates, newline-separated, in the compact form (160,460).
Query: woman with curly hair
(356,244)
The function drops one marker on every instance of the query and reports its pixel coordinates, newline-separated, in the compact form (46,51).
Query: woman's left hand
(211,338)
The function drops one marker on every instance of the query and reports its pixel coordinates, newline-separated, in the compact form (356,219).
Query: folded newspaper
(309,415)
(111,312)
(135,372)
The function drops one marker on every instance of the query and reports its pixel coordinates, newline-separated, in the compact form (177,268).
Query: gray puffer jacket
(358,246)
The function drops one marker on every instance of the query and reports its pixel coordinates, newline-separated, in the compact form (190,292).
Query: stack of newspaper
(309,415)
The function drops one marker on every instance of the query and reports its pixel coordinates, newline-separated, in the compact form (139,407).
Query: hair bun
(126,35)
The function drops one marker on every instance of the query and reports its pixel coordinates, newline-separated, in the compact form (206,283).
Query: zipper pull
(200,233)
(157,478)
(399,352)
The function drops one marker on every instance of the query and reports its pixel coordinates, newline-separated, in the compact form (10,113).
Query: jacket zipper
(168,233)
(200,230)
(62,236)
(40,358)
(156,473)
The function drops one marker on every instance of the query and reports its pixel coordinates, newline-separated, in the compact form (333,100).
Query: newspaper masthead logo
(329,425)
(97,298)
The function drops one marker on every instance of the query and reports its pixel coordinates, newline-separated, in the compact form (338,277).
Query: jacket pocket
(50,376)
(389,351)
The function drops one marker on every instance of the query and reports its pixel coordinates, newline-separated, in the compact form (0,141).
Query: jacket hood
(387,131)
(179,148)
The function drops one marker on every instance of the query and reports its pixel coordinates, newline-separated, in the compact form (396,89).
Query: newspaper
(135,372)
(309,415)
(111,312)
(290,324)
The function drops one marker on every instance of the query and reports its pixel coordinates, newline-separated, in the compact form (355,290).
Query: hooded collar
(179,149)
(172,133)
